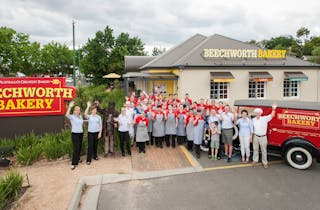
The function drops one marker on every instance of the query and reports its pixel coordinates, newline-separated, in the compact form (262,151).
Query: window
(257,89)
(290,88)
(219,90)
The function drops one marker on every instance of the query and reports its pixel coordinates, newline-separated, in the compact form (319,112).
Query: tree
(124,45)
(105,54)
(316,55)
(55,58)
(158,51)
(17,53)
(6,49)
(303,31)
(310,45)
(283,41)
(95,55)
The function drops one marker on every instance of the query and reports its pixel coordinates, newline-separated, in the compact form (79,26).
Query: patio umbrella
(111,76)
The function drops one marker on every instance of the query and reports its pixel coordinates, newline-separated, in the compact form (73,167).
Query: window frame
(219,89)
(256,88)
(290,89)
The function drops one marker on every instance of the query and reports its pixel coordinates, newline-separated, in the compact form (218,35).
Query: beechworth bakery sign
(32,96)
(244,53)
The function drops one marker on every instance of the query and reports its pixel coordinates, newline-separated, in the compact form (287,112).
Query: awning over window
(263,76)
(296,76)
(221,76)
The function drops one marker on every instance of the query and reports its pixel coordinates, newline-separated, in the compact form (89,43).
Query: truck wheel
(236,132)
(299,157)
(205,144)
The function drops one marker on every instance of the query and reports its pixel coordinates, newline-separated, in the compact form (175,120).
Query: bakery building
(224,69)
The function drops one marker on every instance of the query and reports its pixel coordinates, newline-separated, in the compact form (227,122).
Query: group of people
(156,120)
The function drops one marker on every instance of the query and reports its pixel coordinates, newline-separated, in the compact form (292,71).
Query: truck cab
(294,131)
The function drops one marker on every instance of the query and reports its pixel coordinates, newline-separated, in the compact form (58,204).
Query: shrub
(10,187)
(26,140)
(99,93)
(8,143)
(28,155)
(66,143)
(51,146)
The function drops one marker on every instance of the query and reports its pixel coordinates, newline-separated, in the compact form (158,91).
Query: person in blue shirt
(94,132)
(77,132)
(245,135)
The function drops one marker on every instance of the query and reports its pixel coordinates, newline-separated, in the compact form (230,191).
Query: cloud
(162,23)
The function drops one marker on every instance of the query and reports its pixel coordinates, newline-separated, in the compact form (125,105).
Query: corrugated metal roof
(222,75)
(295,74)
(260,74)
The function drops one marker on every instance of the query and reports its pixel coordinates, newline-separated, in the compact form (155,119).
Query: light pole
(74,56)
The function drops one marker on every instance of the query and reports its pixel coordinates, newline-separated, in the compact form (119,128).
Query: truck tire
(299,158)
(205,143)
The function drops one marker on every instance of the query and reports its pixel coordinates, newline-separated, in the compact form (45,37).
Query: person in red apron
(198,132)
(181,129)
(158,130)
(142,132)
(171,127)
(190,128)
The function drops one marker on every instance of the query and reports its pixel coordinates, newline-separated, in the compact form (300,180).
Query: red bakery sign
(34,96)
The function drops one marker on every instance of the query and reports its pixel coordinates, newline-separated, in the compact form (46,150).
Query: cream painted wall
(196,82)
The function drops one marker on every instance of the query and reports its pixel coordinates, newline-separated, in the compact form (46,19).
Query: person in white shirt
(77,133)
(124,120)
(227,122)
(94,132)
(260,125)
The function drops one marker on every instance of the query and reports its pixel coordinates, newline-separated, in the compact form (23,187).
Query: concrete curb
(91,201)
(74,203)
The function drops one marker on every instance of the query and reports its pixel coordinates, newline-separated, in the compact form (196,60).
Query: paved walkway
(159,159)
(53,183)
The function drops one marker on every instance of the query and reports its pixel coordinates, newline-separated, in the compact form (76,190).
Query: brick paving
(158,159)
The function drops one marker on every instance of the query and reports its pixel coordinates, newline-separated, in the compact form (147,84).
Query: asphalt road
(278,187)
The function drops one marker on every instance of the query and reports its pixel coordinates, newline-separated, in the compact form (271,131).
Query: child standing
(215,137)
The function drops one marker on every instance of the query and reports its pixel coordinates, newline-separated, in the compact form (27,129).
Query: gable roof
(168,58)
(189,54)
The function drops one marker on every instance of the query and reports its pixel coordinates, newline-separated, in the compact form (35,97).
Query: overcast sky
(161,23)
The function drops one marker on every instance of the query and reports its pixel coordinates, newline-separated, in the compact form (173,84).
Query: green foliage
(28,155)
(10,187)
(17,52)
(51,146)
(7,143)
(26,140)
(98,93)
(66,143)
(303,31)
(55,58)
(316,51)
(283,41)
(105,53)
(158,51)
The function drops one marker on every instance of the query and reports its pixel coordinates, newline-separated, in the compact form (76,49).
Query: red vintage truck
(294,132)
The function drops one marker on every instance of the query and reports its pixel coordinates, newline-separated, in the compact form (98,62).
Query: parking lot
(278,187)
